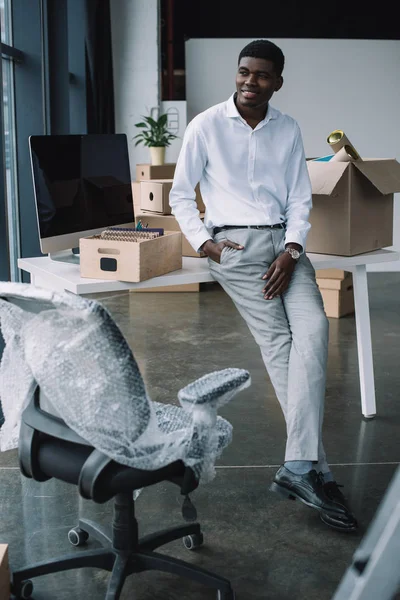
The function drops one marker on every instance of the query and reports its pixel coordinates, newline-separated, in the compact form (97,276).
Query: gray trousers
(291,330)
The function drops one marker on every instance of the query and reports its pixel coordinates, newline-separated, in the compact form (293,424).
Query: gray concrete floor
(270,548)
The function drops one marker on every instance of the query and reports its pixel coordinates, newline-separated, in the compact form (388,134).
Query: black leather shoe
(309,489)
(346,522)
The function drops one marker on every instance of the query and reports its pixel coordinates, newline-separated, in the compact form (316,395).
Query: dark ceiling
(277,19)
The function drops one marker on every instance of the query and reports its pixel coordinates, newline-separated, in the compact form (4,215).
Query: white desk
(60,276)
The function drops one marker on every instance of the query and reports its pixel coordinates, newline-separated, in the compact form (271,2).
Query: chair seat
(64,460)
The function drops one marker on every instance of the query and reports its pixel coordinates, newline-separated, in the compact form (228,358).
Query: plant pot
(157,154)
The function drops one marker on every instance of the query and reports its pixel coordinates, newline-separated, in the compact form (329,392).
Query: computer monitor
(82,185)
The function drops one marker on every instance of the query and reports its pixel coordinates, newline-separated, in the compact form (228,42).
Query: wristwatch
(295,254)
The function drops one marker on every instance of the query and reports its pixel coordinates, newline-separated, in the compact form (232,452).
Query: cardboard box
(169,223)
(331,274)
(154,196)
(136,194)
(352,205)
(130,261)
(336,284)
(338,296)
(5,591)
(147,171)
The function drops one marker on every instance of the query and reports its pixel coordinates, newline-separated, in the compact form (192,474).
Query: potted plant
(156,136)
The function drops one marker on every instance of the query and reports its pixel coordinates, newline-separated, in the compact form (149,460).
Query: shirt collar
(232,111)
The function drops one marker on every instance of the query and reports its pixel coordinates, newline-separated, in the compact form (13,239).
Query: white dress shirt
(247,176)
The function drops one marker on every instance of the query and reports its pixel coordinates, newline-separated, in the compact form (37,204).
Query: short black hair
(267,50)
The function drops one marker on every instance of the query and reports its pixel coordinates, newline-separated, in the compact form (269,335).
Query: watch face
(295,254)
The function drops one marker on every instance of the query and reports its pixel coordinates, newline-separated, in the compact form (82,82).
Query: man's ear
(279,84)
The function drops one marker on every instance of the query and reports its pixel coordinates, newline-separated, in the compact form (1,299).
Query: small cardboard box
(136,196)
(331,274)
(169,223)
(5,591)
(338,296)
(352,205)
(335,284)
(147,171)
(154,196)
(130,261)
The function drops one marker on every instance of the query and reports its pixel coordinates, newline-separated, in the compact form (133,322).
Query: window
(8,106)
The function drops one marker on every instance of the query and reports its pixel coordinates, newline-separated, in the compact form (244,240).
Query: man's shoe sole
(351,529)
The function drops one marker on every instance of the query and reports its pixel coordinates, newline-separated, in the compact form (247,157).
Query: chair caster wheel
(23,590)
(191,542)
(77,537)
(226,595)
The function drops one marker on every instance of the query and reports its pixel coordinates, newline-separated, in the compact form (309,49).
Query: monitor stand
(66,256)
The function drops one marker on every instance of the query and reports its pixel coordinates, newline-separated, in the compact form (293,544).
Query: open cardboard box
(352,205)
(169,223)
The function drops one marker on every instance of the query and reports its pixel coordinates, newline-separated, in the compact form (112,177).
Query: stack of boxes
(151,205)
(125,255)
(336,287)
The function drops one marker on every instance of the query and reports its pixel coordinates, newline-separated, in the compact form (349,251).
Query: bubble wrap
(73,349)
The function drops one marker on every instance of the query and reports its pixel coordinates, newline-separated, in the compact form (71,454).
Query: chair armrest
(90,473)
(42,421)
(214,389)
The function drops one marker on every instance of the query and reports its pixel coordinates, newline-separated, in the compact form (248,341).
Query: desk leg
(42,282)
(364,344)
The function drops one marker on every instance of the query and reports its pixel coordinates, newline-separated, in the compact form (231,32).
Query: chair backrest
(73,349)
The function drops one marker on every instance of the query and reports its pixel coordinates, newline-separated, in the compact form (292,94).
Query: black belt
(276,226)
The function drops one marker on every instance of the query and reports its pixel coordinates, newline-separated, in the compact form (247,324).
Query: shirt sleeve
(182,198)
(299,201)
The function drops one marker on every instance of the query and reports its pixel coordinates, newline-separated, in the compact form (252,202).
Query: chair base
(137,556)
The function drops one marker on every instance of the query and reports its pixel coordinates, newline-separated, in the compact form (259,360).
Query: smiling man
(250,162)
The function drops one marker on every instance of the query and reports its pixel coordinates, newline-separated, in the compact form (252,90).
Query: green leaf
(141,124)
(152,122)
(162,121)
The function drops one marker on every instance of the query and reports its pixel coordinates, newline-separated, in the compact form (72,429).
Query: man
(250,162)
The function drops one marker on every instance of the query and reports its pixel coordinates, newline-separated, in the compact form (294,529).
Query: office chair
(66,421)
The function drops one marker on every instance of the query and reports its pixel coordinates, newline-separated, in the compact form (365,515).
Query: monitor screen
(82,184)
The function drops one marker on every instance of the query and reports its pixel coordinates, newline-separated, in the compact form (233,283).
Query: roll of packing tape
(338,140)
(345,154)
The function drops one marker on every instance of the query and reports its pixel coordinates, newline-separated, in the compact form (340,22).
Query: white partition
(352,85)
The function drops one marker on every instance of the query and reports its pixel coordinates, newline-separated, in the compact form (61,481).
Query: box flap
(325,176)
(384,174)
